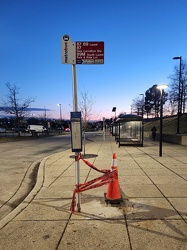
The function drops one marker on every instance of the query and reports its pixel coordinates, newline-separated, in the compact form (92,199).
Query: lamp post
(60,125)
(179,94)
(142,103)
(114,110)
(161,88)
(60,111)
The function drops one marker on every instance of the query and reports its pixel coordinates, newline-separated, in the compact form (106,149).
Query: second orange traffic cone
(113,192)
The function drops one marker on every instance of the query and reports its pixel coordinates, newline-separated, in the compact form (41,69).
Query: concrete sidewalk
(153,214)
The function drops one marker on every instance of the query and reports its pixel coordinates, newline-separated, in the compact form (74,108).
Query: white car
(36,128)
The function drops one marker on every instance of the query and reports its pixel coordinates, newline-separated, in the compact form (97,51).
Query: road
(18,167)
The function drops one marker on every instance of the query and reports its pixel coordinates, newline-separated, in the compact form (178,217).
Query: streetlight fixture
(179,94)
(114,110)
(161,88)
(60,111)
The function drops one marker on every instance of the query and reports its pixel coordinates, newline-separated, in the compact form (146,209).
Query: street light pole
(143,102)
(114,110)
(60,111)
(161,114)
(60,123)
(179,94)
(161,88)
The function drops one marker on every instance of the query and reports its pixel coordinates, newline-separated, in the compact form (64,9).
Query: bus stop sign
(82,52)
(76,132)
(89,52)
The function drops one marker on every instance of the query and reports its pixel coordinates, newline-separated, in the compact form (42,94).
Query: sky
(140,39)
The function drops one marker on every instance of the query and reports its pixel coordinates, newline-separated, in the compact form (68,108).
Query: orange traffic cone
(113,193)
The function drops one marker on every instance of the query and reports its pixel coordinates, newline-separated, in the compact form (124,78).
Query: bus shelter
(114,129)
(129,130)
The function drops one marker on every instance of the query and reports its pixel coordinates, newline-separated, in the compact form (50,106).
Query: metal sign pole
(79,53)
(75,109)
(103,128)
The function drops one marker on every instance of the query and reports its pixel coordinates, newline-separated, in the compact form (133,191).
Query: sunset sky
(140,39)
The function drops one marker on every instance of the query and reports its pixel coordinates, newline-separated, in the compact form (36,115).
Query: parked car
(36,128)
(67,129)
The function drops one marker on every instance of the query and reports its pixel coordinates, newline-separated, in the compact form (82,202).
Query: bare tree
(86,108)
(174,87)
(152,99)
(15,106)
(137,105)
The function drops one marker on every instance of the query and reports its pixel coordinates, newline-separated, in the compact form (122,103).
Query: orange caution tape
(109,176)
(92,166)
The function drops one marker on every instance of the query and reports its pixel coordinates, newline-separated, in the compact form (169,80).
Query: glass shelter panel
(128,130)
(131,130)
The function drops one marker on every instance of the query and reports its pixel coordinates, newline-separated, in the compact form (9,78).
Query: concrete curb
(30,196)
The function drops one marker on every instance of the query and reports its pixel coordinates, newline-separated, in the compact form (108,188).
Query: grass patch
(169,125)
(15,138)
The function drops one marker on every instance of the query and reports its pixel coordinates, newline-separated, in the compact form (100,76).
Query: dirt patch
(86,156)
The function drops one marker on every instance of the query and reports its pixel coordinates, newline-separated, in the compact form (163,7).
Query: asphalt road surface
(18,167)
